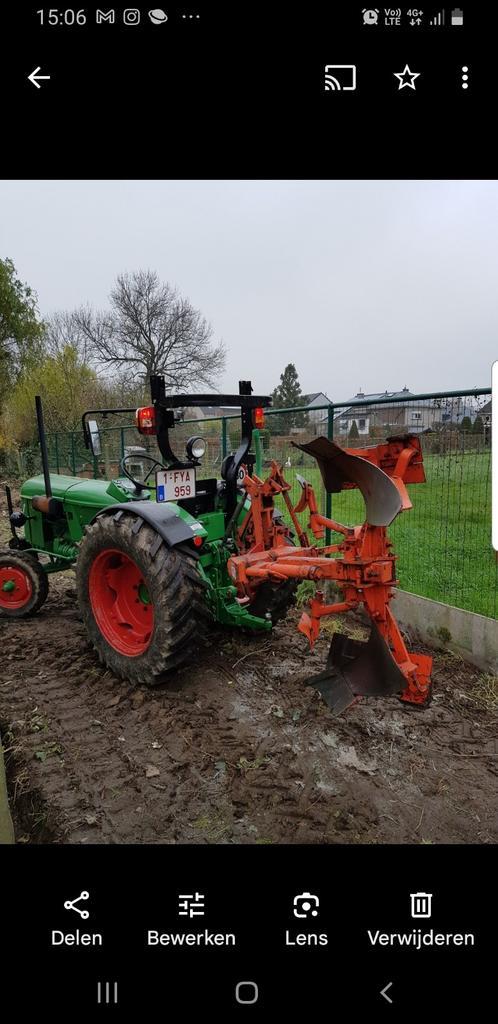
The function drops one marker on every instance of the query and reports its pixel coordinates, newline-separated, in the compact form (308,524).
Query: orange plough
(361,564)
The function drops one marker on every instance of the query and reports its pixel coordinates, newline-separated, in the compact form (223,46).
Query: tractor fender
(162,518)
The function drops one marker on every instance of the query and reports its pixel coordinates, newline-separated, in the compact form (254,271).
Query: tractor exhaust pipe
(43,446)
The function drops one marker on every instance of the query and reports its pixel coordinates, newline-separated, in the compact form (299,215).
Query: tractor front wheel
(23,585)
(141,601)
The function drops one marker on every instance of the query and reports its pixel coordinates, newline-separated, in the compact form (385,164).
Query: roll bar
(165,405)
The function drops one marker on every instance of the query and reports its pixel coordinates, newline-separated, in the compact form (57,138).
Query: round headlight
(196,447)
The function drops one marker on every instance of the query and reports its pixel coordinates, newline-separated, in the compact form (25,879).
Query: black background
(249,891)
(240,94)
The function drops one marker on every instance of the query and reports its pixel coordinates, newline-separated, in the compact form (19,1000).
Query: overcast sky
(364,284)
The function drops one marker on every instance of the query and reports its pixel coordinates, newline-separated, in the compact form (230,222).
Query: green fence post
(258,450)
(328,496)
(73,455)
(224,444)
(122,443)
(57,453)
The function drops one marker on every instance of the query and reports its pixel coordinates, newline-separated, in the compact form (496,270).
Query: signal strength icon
(438,19)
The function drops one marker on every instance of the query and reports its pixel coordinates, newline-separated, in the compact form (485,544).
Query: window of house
(362,424)
(416,416)
(343,425)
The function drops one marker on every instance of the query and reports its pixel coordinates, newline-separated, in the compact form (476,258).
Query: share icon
(71,905)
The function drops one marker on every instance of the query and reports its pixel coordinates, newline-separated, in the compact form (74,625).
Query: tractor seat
(225,465)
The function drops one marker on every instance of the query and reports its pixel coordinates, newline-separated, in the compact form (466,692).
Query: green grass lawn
(444,542)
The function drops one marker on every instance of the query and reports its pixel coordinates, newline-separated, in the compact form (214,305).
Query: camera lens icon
(306,905)
(131,16)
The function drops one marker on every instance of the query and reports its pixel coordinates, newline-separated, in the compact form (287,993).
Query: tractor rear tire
(142,603)
(23,585)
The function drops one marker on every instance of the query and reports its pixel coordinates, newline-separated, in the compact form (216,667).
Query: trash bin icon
(421,904)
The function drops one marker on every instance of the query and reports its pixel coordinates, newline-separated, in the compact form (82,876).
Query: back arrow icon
(35,78)
(384,992)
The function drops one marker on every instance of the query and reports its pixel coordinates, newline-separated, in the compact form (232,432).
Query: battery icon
(457,16)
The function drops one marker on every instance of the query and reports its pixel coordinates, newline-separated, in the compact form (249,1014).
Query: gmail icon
(108,16)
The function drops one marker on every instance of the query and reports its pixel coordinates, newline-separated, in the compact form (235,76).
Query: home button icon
(246,993)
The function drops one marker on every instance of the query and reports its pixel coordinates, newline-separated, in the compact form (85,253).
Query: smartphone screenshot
(248,510)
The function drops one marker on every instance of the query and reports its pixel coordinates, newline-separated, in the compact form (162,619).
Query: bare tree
(149,329)
(61,330)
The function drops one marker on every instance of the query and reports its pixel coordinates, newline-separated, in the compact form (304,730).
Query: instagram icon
(131,16)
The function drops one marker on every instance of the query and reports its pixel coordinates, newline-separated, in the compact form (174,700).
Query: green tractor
(150,554)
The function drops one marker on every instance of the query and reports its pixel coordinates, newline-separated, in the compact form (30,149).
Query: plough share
(362,564)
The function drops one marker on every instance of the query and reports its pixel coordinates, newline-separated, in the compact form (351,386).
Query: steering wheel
(139,484)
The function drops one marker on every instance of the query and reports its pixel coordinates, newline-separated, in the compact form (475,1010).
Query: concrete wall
(473,637)
(6,830)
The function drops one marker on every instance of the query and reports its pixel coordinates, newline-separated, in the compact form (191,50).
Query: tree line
(89,358)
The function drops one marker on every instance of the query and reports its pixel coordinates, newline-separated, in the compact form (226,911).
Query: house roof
(308,399)
(375,395)
(372,397)
(486,409)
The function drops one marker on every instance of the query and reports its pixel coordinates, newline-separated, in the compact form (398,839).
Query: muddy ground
(235,749)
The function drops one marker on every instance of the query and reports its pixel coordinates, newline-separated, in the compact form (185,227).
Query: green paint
(258,449)
(82,499)
(221,594)
(9,586)
(62,549)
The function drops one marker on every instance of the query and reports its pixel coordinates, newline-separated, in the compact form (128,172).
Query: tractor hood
(97,493)
(82,500)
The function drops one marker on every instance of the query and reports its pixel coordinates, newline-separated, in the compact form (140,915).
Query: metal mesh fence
(67,452)
(443,543)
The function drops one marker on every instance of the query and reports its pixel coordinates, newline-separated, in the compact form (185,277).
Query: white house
(412,416)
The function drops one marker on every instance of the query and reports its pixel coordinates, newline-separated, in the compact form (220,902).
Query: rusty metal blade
(381,496)
(334,689)
(358,668)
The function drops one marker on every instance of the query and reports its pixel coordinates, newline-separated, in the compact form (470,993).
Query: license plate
(172,484)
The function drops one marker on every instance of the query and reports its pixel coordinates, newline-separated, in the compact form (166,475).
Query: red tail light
(258,418)
(146,420)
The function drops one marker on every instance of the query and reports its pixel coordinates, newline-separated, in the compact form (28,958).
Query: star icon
(406,77)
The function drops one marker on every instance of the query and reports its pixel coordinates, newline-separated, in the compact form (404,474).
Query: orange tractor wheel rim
(121,603)
(15,587)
